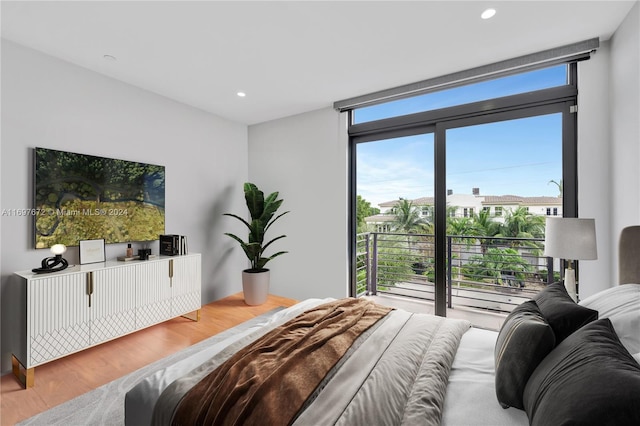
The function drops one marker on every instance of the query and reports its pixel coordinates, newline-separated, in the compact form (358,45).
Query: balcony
(486,277)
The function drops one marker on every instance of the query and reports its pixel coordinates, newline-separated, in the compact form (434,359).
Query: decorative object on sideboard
(184,249)
(136,257)
(144,253)
(173,244)
(255,280)
(92,251)
(55,263)
(129,250)
(570,239)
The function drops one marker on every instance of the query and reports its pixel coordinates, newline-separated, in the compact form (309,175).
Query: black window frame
(561,99)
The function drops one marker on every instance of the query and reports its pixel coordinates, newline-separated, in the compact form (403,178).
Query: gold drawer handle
(170,272)
(89,286)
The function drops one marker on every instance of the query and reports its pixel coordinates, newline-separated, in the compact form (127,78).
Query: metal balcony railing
(488,273)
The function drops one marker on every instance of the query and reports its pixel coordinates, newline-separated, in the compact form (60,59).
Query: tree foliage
(560,186)
(497,264)
(503,243)
(363,210)
(407,218)
(395,262)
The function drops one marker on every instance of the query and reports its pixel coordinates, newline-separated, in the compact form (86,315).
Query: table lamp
(570,239)
(55,263)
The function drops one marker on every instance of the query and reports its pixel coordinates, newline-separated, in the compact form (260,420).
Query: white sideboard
(85,305)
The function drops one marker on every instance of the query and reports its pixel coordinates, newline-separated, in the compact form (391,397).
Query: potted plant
(255,280)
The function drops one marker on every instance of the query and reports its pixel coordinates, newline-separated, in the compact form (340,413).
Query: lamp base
(51,264)
(570,283)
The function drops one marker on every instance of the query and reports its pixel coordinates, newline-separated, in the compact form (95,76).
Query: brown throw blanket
(268,381)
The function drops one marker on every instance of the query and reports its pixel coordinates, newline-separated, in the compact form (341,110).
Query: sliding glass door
(452,201)
(503,178)
(395,187)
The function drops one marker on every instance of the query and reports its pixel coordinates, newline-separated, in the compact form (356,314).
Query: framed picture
(92,251)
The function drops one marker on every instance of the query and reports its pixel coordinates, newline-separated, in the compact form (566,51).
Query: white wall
(50,103)
(304,157)
(624,136)
(594,166)
(609,148)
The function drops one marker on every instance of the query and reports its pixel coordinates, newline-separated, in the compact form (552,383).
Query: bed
(352,362)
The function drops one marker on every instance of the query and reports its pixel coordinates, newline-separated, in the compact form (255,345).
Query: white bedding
(470,394)
(139,403)
(472,374)
(621,304)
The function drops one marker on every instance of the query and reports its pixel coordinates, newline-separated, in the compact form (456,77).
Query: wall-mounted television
(84,197)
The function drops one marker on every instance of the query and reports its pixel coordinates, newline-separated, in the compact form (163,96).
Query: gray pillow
(523,341)
(588,379)
(563,314)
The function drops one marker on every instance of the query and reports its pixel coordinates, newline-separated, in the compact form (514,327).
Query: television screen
(84,197)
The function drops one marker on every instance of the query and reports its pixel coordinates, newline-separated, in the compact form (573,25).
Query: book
(168,245)
(183,244)
(128,259)
(173,244)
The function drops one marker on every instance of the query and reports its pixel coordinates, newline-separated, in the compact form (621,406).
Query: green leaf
(261,211)
(254,199)
(239,218)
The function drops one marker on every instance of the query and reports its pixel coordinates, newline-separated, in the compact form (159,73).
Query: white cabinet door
(58,321)
(186,284)
(153,293)
(113,303)
(70,311)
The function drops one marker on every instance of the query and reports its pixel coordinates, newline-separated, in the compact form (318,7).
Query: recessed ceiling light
(488,13)
(241,94)
(109,58)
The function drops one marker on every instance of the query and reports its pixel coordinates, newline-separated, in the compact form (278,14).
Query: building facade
(470,205)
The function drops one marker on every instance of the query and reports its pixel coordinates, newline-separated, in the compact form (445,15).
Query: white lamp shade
(58,248)
(570,238)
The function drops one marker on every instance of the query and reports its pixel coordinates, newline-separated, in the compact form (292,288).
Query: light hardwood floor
(71,376)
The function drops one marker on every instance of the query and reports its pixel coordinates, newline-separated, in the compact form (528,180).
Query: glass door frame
(569,177)
(561,99)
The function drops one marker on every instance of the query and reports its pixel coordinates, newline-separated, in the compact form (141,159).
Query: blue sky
(516,157)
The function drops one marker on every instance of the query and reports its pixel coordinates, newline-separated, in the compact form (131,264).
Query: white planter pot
(255,286)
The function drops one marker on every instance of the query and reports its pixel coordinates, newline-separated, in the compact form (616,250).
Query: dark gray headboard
(629,255)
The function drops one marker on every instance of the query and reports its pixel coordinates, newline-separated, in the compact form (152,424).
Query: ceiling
(293,57)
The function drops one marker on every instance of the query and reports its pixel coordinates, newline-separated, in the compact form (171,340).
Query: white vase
(255,286)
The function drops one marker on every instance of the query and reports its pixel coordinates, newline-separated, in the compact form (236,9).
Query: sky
(515,157)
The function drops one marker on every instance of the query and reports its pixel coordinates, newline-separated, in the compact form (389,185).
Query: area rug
(105,405)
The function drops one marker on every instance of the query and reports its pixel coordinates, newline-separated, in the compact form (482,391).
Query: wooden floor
(71,376)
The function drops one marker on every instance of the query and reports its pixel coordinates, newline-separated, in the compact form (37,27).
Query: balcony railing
(488,273)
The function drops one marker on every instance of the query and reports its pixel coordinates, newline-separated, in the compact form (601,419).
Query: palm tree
(560,186)
(522,224)
(493,264)
(458,227)
(486,226)
(407,218)
(429,214)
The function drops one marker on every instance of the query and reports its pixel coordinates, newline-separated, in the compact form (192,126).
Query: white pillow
(621,304)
